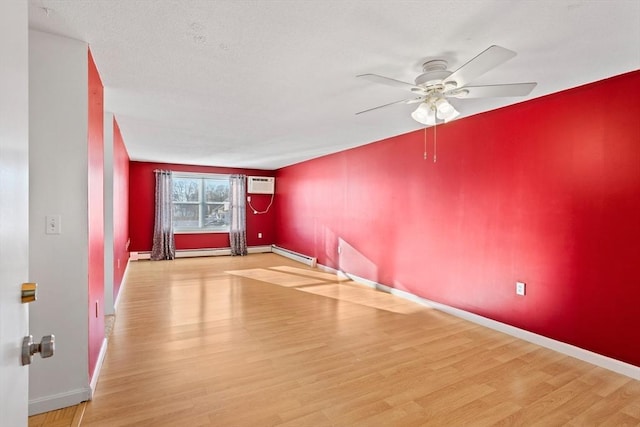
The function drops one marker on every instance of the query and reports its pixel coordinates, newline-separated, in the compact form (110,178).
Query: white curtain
(163,244)
(237,207)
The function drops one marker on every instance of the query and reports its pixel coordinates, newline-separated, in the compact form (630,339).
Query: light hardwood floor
(65,417)
(264,341)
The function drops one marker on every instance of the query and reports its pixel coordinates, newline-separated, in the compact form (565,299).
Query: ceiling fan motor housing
(435,72)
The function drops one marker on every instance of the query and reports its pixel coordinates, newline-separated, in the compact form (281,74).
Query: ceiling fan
(436,85)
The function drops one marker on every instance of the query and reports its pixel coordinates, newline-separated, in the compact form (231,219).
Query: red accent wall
(545,191)
(96,213)
(141,210)
(120,208)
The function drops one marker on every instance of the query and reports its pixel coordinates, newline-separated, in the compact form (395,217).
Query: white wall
(58,162)
(108,214)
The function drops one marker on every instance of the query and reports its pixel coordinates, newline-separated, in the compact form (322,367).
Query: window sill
(201,232)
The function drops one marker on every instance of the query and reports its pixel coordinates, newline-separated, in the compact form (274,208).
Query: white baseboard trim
(596,359)
(96,370)
(122,285)
(305,259)
(191,253)
(259,249)
(58,401)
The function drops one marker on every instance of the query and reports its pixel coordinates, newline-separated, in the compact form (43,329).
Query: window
(200,203)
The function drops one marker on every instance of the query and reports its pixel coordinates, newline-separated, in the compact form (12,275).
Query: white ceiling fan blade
(493,91)
(376,78)
(402,101)
(485,61)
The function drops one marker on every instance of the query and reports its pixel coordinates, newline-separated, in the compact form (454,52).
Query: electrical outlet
(520,288)
(259,235)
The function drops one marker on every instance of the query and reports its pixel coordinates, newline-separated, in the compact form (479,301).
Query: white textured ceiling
(268,83)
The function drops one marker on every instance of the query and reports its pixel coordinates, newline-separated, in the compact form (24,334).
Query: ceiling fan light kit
(425,114)
(433,109)
(436,84)
(445,110)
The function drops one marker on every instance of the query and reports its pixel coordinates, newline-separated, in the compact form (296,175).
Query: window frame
(201,203)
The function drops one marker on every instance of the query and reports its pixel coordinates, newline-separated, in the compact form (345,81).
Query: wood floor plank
(264,341)
(65,417)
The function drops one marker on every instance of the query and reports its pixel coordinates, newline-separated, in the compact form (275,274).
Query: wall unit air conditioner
(261,184)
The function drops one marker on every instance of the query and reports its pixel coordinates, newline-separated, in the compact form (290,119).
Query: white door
(14,209)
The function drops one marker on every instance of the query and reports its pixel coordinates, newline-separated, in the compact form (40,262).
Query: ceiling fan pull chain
(425,143)
(435,142)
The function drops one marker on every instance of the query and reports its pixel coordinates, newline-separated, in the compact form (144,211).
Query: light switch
(53,224)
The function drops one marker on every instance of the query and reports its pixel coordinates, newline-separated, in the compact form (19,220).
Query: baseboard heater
(192,253)
(296,256)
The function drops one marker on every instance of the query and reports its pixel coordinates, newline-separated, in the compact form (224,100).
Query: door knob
(46,347)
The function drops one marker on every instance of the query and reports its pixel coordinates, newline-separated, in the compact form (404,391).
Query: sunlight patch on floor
(363,295)
(311,273)
(331,286)
(275,277)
